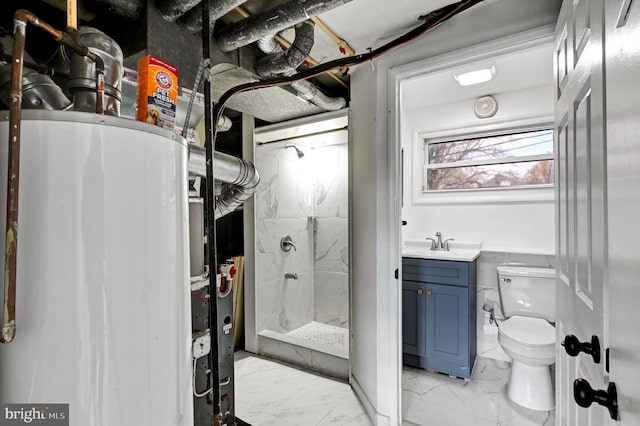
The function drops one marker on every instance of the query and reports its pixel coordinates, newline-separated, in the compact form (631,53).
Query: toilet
(528,299)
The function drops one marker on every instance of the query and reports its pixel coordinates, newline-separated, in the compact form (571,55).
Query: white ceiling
(517,71)
(362,23)
(365,24)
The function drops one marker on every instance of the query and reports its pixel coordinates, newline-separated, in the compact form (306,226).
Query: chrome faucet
(439,245)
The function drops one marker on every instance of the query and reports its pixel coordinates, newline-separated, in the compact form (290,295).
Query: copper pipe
(99,81)
(13,178)
(21,19)
(29,18)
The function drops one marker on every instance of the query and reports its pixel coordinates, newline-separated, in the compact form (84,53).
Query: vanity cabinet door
(447,329)
(413,318)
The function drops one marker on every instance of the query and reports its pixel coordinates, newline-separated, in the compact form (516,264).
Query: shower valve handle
(286,243)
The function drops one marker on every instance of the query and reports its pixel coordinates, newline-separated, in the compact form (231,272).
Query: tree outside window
(523,159)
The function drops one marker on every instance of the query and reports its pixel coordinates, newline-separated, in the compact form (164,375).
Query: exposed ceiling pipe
(192,19)
(310,92)
(130,9)
(284,43)
(279,60)
(284,62)
(171,10)
(240,176)
(431,21)
(272,21)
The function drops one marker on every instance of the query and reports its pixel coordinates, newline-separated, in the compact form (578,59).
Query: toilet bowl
(527,336)
(530,342)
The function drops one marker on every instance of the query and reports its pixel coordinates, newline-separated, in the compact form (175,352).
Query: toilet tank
(528,291)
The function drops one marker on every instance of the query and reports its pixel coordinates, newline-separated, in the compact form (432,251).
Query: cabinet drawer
(436,271)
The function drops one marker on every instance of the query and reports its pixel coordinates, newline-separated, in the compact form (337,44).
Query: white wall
(492,217)
(374,189)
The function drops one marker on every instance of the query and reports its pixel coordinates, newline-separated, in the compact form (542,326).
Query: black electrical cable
(431,21)
(211,127)
(214,364)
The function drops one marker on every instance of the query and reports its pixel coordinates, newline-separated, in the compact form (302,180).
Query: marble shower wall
(307,199)
(331,254)
(487,292)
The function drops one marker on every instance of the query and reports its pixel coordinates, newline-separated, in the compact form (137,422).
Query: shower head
(298,151)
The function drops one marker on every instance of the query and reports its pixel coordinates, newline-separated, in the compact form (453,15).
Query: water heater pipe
(240,176)
(21,19)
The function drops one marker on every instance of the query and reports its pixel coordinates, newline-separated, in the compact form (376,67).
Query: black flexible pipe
(211,222)
(431,21)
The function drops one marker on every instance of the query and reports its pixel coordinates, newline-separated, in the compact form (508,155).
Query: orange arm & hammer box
(157,94)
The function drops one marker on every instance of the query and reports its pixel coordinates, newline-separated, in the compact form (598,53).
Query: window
(513,160)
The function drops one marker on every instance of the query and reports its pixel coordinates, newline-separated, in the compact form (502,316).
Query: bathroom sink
(465,252)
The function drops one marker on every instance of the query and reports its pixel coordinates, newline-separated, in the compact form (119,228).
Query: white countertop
(460,251)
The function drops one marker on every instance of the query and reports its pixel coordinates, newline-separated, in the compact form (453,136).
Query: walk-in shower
(302,256)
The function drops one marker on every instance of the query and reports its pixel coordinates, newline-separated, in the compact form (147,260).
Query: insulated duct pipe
(192,19)
(130,9)
(240,176)
(277,63)
(308,91)
(171,10)
(278,60)
(272,21)
(21,18)
(432,20)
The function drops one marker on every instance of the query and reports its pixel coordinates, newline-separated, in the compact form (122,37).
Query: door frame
(396,75)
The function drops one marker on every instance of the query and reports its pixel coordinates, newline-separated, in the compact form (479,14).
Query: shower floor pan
(315,346)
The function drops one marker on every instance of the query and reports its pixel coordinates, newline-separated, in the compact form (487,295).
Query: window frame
(505,194)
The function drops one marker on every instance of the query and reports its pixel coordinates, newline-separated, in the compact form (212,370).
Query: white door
(623,175)
(581,208)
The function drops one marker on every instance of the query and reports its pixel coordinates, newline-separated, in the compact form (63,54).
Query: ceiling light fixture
(481,75)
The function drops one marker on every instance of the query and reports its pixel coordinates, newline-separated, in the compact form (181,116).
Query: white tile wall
(297,196)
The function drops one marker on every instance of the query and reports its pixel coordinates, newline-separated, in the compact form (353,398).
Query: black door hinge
(396,273)
(606,359)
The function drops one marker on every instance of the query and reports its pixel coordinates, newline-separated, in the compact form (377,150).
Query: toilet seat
(528,331)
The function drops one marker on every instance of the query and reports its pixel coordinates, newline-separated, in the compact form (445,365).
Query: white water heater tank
(103,304)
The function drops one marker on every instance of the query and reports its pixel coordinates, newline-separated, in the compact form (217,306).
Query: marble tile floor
(439,400)
(271,393)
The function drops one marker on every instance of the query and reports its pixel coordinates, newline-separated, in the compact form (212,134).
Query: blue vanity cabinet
(439,315)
